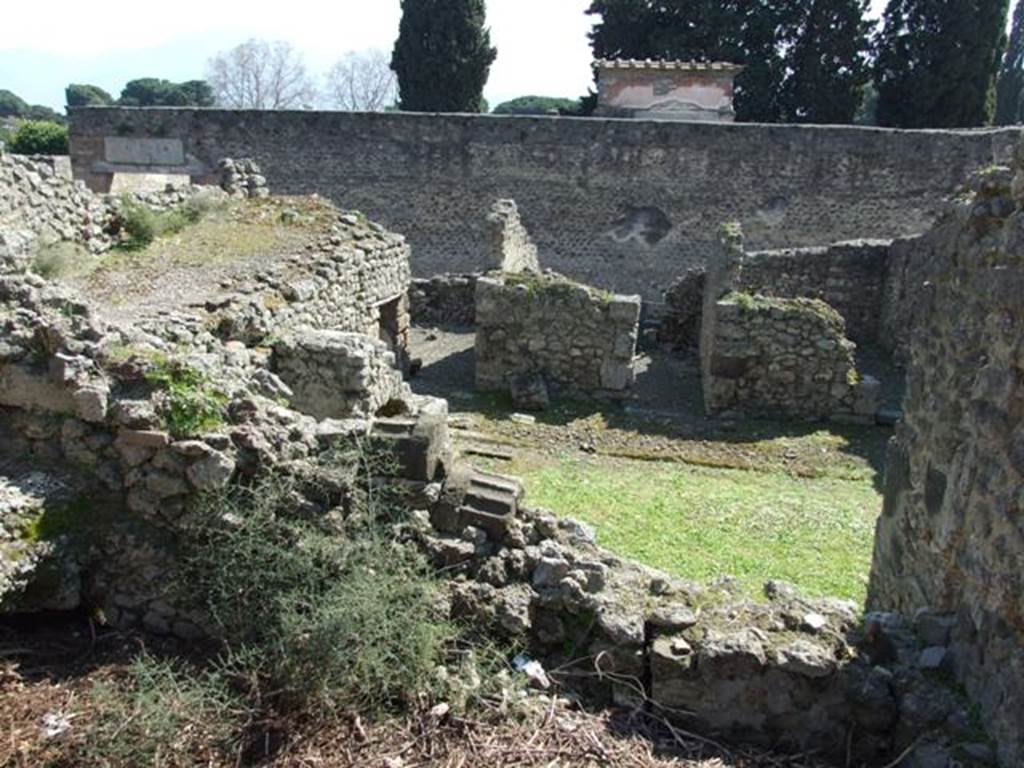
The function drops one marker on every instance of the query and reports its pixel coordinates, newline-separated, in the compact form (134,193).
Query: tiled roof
(678,66)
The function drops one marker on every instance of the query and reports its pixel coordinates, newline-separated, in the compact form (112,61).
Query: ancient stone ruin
(116,420)
(776,357)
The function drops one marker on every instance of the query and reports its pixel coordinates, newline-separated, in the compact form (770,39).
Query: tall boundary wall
(625,205)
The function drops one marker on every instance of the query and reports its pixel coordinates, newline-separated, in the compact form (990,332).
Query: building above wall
(666,90)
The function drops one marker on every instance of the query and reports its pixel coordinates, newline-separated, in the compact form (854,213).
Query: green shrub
(164,714)
(54,260)
(138,225)
(37,137)
(331,616)
(193,404)
(141,225)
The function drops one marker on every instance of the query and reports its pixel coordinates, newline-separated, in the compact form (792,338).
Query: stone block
(420,446)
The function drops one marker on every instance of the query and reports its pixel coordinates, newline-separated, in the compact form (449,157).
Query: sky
(542,44)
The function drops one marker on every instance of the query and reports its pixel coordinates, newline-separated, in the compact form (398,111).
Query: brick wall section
(951,535)
(579,338)
(623,205)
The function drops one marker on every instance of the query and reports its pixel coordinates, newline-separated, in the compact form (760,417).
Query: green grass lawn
(701,523)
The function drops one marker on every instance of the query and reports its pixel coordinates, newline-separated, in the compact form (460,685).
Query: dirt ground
(662,419)
(48,667)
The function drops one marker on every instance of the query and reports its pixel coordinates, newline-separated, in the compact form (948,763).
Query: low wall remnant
(573,336)
(765,356)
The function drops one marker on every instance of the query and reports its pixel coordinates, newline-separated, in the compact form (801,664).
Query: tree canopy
(85,95)
(154,92)
(937,62)
(12,105)
(536,105)
(443,55)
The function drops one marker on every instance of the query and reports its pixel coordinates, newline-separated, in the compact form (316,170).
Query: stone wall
(787,673)
(681,313)
(784,357)
(765,356)
(849,277)
(620,204)
(336,375)
(108,434)
(40,202)
(444,300)
(355,279)
(575,337)
(950,540)
(511,249)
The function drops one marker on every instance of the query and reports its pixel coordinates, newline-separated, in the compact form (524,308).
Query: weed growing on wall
(192,404)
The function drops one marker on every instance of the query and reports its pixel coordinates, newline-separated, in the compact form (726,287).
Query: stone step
(495,525)
(488,500)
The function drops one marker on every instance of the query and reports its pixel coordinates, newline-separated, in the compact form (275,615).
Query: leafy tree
(804,60)
(12,105)
(40,138)
(443,55)
(535,105)
(197,93)
(151,92)
(41,113)
(85,95)
(937,60)
(1011,76)
(260,75)
(154,92)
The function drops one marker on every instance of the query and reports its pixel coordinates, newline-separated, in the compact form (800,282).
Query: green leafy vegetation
(702,523)
(330,615)
(37,137)
(443,56)
(12,105)
(193,402)
(155,92)
(164,713)
(535,105)
(59,259)
(85,95)
(937,62)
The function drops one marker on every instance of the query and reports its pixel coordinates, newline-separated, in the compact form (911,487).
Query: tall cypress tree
(443,55)
(827,62)
(937,61)
(1011,76)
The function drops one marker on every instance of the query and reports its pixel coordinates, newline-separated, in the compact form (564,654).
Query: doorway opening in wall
(392,329)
